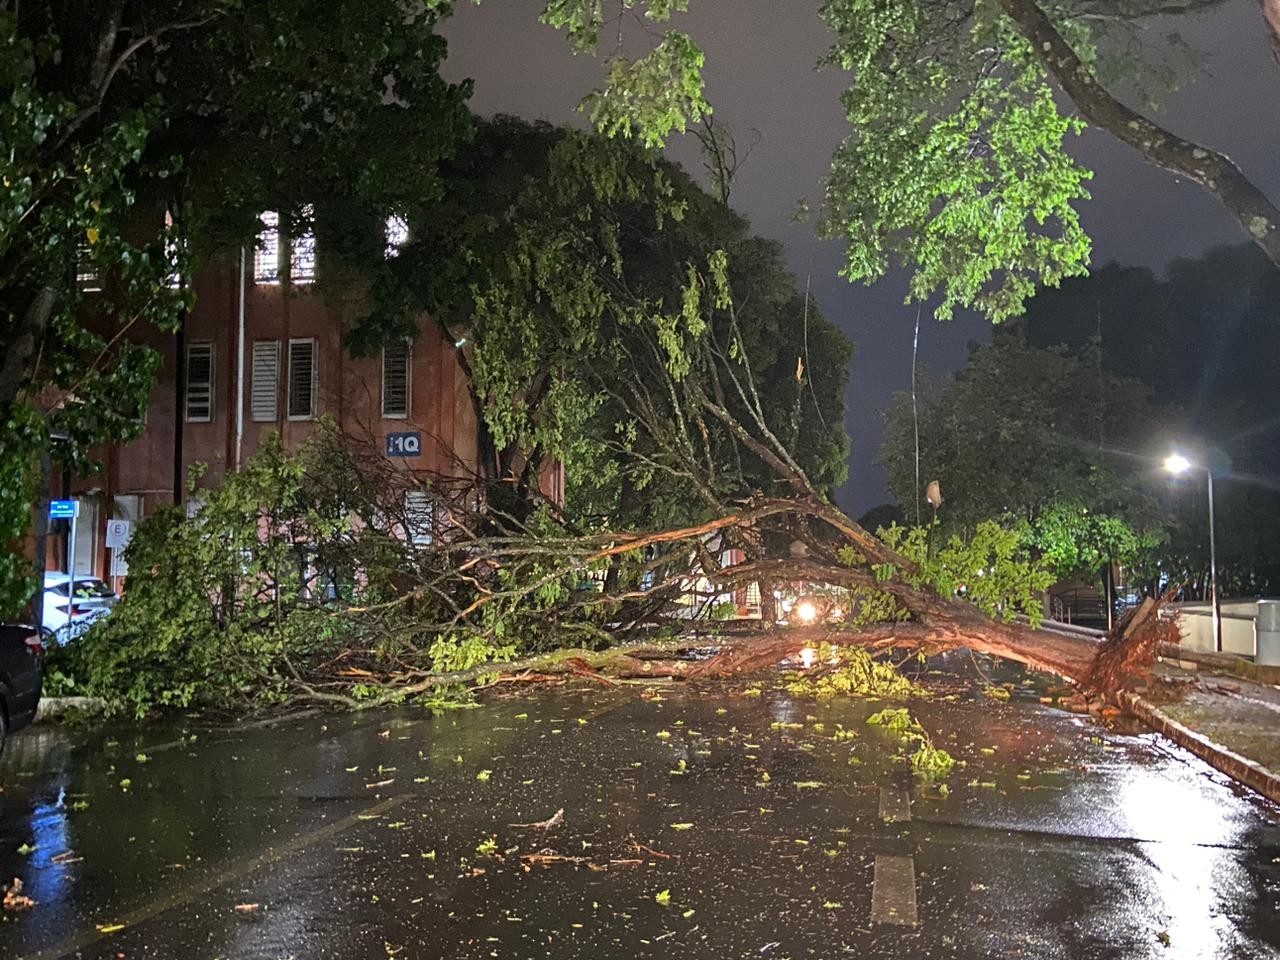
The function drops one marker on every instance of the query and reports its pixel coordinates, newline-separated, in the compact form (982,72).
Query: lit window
(266,255)
(302,379)
(396,358)
(397,234)
(171,250)
(302,262)
(199,399)
(88,279)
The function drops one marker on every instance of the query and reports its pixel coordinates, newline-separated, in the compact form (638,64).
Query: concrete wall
(1238,632)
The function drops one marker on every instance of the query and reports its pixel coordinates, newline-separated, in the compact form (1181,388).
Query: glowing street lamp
(1177,465)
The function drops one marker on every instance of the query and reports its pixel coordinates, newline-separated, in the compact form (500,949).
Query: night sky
(760,76)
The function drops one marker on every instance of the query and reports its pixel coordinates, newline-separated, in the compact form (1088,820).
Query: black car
(21,676)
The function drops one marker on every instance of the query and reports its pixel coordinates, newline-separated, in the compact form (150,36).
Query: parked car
(88,598)
(21,677)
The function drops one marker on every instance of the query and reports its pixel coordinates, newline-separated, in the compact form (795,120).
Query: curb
(51,708)
(1241,769)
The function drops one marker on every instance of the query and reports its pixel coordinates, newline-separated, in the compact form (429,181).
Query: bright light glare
(806,657)
(1176,463)
(806,611)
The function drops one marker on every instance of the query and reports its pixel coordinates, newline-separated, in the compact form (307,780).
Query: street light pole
(1213,571)
(1177,464)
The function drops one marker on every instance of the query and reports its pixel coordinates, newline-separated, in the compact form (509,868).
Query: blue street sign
(404,444)
(64,509)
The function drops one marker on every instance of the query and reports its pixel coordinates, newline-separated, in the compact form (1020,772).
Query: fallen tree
(332,575)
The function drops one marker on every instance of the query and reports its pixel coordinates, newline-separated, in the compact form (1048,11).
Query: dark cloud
(761,76)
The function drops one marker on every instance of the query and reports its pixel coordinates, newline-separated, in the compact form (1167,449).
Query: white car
(69,612)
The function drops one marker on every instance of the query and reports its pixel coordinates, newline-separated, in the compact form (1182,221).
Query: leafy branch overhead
(958,165)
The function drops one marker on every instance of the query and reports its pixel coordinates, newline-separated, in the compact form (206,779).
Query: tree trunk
(24,345)
(34,612)
(1214,171)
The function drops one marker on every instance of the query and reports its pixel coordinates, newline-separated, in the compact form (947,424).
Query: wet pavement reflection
(734,821)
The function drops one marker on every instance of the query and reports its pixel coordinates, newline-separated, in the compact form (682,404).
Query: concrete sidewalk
(1231,722)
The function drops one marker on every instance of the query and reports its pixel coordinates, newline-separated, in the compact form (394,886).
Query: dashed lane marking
(895,804)
(893,891)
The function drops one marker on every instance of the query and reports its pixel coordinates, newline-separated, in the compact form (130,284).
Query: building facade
(262,351)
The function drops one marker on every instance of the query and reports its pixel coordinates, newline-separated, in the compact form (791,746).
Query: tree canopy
(1204,338)
(1038,437)
(957,163)
(566,265)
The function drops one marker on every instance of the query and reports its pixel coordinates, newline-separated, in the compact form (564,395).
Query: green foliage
(296,558)
(927,761)
(992,569)
(1039,440)
(1137,324)
(856,673)
(647,97)
(1077,543)
(957,161)
(598,289)
(652,96)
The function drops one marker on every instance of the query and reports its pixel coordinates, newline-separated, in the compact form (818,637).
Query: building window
(266,255)
(88,279)
(397,234)
(302,259)
(419,517)
(396,365)
(172,251)
(302,379)
(199,382)
(264,392)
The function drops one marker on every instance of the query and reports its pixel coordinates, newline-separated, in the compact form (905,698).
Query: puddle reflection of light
(1188,869)
(46,881)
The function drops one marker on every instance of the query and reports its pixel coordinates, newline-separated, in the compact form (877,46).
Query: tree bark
(22,349)
(1214,171)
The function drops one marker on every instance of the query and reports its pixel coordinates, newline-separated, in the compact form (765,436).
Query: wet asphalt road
(730,824)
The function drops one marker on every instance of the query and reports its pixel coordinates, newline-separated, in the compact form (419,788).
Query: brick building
(262,351)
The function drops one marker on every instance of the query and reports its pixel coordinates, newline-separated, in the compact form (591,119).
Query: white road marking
(893,892)
(895,804)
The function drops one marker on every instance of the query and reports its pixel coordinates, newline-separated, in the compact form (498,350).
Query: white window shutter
(265,389)
(302,379)
(397,358)
(199,399)
(420,517)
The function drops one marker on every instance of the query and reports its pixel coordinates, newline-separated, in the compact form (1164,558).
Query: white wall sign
(119,532)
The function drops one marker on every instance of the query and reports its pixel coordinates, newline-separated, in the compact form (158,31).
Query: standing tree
(545,253)
(1033,436)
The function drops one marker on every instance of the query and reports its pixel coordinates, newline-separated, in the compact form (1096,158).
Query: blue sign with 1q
(404,444)
(64,509)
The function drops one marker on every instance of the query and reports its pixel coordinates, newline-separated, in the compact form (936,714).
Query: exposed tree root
(1130,650)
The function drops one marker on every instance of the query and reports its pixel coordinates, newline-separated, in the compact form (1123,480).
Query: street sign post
(408,444)
(67,510)
(64,509)
(119,533)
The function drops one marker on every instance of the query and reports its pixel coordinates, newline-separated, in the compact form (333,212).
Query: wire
(915,413)
(808,278)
